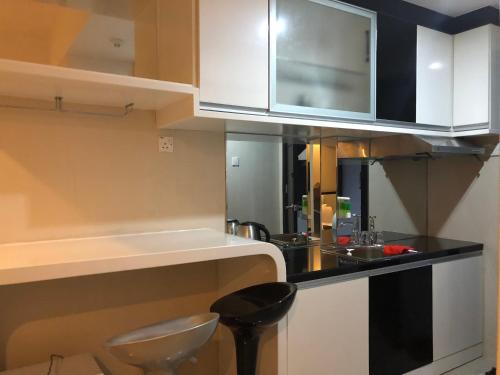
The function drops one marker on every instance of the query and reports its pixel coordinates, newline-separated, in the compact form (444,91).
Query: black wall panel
(400,321)
(396,69)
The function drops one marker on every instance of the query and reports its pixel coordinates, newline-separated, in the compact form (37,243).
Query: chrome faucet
(372,235)
(356,229)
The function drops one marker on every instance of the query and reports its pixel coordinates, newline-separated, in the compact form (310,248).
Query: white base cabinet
(328,330)
(328,325)
(457,306)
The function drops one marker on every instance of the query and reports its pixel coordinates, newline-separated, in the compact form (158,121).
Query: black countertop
(311,263)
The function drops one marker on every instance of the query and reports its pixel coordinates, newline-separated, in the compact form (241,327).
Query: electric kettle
(253,231)
(232,226)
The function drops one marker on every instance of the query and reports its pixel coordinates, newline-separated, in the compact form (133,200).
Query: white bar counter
(48,260)
(77,286)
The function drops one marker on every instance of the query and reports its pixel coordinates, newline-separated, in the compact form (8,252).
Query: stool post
(247,349)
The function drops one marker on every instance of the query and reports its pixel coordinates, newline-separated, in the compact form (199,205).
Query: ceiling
(454,8)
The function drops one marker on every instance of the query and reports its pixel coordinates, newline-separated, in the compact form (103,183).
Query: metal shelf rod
(58,107)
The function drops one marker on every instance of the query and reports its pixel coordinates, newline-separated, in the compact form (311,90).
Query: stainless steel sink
(364,253)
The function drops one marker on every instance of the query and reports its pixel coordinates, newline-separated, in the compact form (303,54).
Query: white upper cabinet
(322,59)
(434,77)
(147,38)
(233,54)
(472,60)
(105,53)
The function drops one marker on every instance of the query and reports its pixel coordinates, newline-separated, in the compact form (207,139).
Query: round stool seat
(258,305)
(160,348)
(248,312)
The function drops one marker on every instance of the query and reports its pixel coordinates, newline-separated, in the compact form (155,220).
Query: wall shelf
(44,82)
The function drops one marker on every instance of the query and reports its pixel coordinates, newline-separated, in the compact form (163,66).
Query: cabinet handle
(368,45)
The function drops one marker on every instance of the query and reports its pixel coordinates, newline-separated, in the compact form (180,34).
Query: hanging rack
(58,107)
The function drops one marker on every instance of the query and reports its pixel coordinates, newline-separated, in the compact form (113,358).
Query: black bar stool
(248,313)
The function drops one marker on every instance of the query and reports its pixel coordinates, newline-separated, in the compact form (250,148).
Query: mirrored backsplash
(313,187)
(267,178)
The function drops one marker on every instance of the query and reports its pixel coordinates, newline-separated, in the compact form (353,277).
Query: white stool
(160,348)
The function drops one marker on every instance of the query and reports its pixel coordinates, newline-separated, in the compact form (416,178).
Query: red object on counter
(343,240)
(396,249)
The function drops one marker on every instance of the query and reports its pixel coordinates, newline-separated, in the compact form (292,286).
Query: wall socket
(166,144)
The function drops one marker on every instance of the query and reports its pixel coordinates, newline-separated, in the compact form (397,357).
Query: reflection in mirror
(328,189)
(353,185)
(393,191)
(314,161)
(254,180)
(324,189)
(275,181)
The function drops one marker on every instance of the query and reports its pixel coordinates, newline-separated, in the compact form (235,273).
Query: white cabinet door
(434,77)
(495,78)
(328,330)
(457,306)
(234,46)
(471,100)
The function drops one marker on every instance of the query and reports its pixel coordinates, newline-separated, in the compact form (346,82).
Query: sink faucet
(371,230)
(356,229)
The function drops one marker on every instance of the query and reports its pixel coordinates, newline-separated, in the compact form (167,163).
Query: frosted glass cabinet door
(322,59)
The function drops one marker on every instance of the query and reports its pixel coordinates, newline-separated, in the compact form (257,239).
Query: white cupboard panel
(495,78)
(457,306)
(472,77)
(234,44)
(328,330)
(434,77)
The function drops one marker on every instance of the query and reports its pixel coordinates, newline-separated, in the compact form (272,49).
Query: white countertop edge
(60,265)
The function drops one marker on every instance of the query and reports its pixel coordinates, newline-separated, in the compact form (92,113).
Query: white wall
(464,205)
(398,195)
(66,175)
(254,188)
(461,196)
